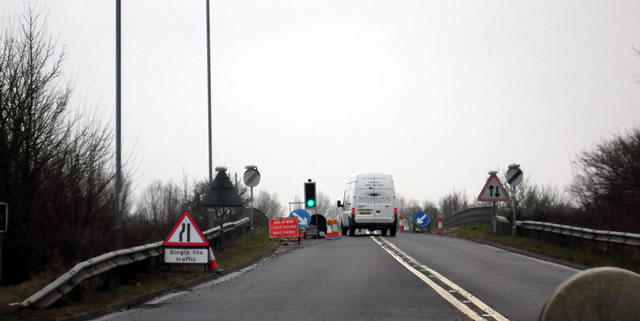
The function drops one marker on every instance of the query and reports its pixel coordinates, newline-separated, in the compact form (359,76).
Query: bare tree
(323,205)
(54,167)
(607,183)
(160,205)
(453,202)
(431,209)
(269,204)
(407,208)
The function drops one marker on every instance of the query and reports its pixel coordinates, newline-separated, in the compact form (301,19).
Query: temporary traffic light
(310,194)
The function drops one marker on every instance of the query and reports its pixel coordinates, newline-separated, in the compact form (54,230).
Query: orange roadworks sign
(283,227)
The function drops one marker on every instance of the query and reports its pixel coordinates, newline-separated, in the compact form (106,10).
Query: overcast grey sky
(435,93)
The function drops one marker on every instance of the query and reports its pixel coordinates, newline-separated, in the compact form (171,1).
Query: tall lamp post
(209,94)
(118,182)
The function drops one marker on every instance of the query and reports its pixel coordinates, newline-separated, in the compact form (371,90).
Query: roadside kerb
(106,262)
(147,297)
(522,252)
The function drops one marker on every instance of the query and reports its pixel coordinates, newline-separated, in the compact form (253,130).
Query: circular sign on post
(421,219)
(303,217)
(251,177)
(514,175)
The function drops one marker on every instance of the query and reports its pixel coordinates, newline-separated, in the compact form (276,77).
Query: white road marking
(442,292)
(165,298)
(535,259)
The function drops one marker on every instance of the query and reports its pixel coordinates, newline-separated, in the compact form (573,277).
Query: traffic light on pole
(310,194)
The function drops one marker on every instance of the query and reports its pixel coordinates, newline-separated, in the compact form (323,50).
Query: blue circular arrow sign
(421,219)
(303,217)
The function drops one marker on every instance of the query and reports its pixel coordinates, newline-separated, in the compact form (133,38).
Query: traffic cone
(329,235)
(336,233)
(213,266)
(440,229)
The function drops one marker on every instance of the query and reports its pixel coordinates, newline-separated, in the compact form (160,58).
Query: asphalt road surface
(407,277)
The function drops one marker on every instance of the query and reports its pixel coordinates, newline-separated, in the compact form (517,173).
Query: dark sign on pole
(4,217)
(4,224)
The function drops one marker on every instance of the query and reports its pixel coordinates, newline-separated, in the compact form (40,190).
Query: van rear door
(383,205)
(365,199)
(383,198)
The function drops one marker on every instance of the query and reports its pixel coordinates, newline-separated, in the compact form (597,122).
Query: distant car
(369,203)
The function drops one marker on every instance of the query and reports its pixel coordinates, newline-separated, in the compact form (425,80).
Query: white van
(369,203)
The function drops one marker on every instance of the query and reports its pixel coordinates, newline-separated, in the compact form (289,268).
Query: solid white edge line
(442,292)
(164,298)
(565,267)
(481,305)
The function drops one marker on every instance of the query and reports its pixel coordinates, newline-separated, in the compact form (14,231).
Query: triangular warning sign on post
(493,191)
(186,233)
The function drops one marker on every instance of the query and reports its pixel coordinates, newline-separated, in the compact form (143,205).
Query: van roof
(369,176)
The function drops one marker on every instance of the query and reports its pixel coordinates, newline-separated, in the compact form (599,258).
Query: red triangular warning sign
(186,233)
(493,190)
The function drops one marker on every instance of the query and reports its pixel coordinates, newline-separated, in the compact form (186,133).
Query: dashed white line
(488,312)
(442,292)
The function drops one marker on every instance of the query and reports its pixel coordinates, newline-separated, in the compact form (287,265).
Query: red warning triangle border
(500,186)
(188,244)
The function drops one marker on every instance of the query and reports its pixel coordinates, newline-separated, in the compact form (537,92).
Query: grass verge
(84,299)
(579,256)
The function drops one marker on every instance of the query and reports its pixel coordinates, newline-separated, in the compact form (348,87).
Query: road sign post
(186,244)
(283,227)
(251,178)
(303,217)
(514,228)
(494,219)
(421,219)
(493,191)
(514,177)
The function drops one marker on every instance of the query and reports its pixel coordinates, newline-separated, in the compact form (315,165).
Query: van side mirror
(339,204)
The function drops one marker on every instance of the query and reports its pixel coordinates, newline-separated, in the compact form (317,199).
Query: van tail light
(353,213)
(395,212)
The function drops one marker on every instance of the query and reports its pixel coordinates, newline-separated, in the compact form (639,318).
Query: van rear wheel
(352,231)
(383,231)
(392,231)
(345,229)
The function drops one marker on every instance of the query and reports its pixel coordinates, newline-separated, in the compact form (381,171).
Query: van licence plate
(365,213)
